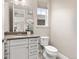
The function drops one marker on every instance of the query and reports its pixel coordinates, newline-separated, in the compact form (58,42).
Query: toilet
(50,52)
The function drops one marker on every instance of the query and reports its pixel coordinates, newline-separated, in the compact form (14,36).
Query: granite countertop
(12,37)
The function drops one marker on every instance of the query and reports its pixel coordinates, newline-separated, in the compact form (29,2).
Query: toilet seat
(51,50)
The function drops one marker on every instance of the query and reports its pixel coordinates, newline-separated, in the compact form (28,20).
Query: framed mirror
(18,19)
(21,19)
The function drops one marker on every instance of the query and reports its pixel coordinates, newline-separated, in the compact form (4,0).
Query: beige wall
(63,27)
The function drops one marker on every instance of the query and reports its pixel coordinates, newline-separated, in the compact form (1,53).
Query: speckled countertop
(9,37)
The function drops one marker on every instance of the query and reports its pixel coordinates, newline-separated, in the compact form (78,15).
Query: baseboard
(61,56)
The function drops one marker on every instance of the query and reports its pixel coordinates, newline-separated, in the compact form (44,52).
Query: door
(19,52)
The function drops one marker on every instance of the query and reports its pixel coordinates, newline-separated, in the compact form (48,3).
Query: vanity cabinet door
(19,52)
(19,49)
(33,48)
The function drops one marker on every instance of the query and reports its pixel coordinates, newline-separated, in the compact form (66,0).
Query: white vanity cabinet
(22,48)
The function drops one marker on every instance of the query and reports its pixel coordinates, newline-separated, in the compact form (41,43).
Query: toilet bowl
(50,52)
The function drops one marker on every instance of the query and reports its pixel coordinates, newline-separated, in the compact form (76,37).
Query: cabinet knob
(5,57)
(5,43)
(6,53)
(5,50)
(27,47)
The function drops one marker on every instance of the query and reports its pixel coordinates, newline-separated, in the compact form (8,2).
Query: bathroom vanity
(21,47)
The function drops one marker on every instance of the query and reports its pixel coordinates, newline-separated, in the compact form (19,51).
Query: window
(42,17)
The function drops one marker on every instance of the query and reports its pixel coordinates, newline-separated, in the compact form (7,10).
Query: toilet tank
(44,41)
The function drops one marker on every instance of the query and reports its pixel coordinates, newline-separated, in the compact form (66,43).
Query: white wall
(63,26)
(6,17)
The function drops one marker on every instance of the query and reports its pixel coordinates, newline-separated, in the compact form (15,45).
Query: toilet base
(46,56)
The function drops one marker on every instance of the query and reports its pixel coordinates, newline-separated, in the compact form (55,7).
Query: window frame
(46,17)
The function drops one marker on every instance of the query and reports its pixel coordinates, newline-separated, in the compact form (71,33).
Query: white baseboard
(61,56)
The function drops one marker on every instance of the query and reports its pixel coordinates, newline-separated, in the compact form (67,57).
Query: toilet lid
(51,48)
